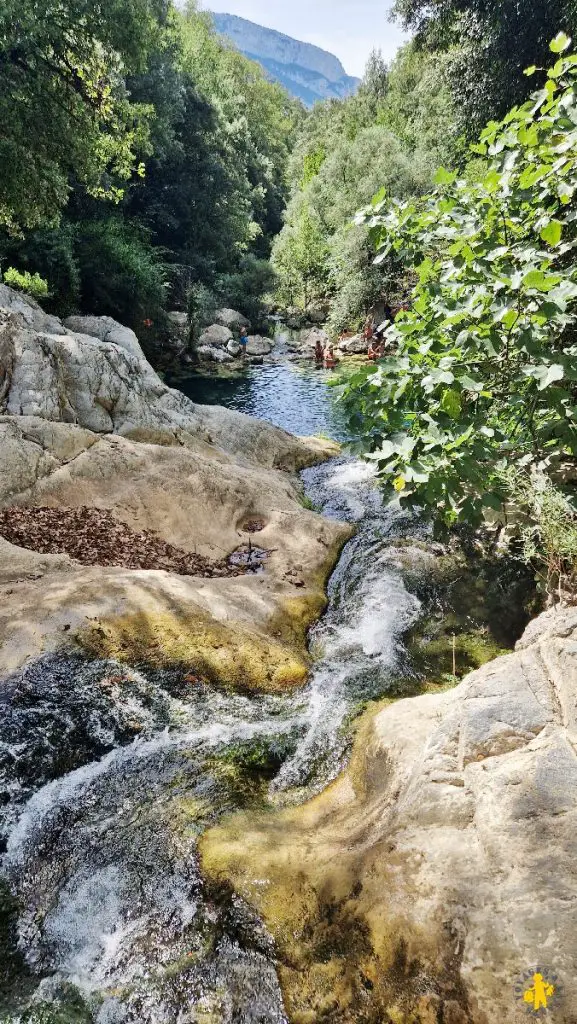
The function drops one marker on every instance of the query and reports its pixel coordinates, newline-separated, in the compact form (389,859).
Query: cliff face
(306,71)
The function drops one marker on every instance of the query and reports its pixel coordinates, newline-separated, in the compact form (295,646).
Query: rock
(75,378)
(451,841)
(231,318)
(105,329)
(355,346)
(30,311)
(258,346)
(215,336)
(233,348)
(308,338)
(214,355)
(316,314)
(256,360)
(294,318)
(195,497)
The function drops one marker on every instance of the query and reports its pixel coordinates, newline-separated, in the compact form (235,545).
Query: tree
(64,111)
(491,42)
(485,375)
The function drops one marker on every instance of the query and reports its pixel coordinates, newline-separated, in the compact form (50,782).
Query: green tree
(64,111)
(491,42)
(485,375)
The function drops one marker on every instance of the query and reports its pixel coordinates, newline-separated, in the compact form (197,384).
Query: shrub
(485,373)
(546,520)
(32,284)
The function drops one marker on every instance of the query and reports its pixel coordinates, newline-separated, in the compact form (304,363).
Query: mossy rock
(225,655)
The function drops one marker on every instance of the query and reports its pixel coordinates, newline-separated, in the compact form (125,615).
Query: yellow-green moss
(226,655)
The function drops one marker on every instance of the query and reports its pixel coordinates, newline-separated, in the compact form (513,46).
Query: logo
(538,991)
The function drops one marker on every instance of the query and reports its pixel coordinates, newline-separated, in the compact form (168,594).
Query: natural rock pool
(109,775)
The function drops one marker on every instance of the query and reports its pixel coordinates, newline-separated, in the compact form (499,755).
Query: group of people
(325,355)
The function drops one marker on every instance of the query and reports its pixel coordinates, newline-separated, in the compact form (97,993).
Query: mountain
(306,72)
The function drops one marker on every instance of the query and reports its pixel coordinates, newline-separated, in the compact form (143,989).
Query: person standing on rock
(243,342)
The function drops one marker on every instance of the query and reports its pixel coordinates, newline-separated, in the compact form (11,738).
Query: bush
(32,284)
(121,274)
(485,374)
(546,521)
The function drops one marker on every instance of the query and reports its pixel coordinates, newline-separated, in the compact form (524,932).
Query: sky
(348,28)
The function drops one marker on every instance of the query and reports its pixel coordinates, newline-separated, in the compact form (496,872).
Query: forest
(160,169)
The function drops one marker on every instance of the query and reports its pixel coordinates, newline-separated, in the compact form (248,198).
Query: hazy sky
(348,28)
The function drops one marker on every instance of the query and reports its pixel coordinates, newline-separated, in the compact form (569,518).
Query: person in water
(329,357)
(319,351)
(243,342)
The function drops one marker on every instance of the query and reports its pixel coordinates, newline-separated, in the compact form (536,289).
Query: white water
(110,891)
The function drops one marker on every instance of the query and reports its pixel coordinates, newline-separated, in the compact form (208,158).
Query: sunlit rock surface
(443,865)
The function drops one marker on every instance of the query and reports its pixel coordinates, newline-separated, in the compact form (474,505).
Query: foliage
(33,284)
(210,138)
(64,109)
(489,43)
(484,376)
(119,272)
(345,151)
(547,523)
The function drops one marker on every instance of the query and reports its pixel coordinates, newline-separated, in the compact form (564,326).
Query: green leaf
(541,281)
(560,43)
(444,177)
(451,403)
(552,232)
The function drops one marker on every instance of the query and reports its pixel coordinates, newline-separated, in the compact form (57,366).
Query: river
(108,919)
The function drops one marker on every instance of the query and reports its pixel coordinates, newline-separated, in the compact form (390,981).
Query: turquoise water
(293,395)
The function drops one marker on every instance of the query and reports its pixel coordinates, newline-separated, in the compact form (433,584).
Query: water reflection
(291,394)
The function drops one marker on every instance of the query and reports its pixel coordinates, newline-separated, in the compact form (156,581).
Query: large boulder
(178,332)
(215,336)
(446,856)
(105,329)
(231,318)
(214,355)
(355,346)
(29,310)
(308,338)
(258,346)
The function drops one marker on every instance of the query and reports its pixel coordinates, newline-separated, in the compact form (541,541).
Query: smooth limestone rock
(101,386)
(258,346)
(231,318)
(105,329)
(215,336)
(442,865)
(233,348)
(355,346)
(200,500)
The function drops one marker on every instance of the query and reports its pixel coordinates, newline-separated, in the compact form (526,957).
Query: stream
(108,775)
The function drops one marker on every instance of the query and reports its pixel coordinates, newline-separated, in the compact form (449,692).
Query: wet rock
(214,355)
(448,847)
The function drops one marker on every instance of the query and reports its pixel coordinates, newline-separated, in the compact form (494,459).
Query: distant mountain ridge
(306,71)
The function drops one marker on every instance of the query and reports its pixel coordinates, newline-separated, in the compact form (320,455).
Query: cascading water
(110,775)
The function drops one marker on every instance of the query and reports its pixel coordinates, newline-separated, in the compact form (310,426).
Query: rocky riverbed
(186,834)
